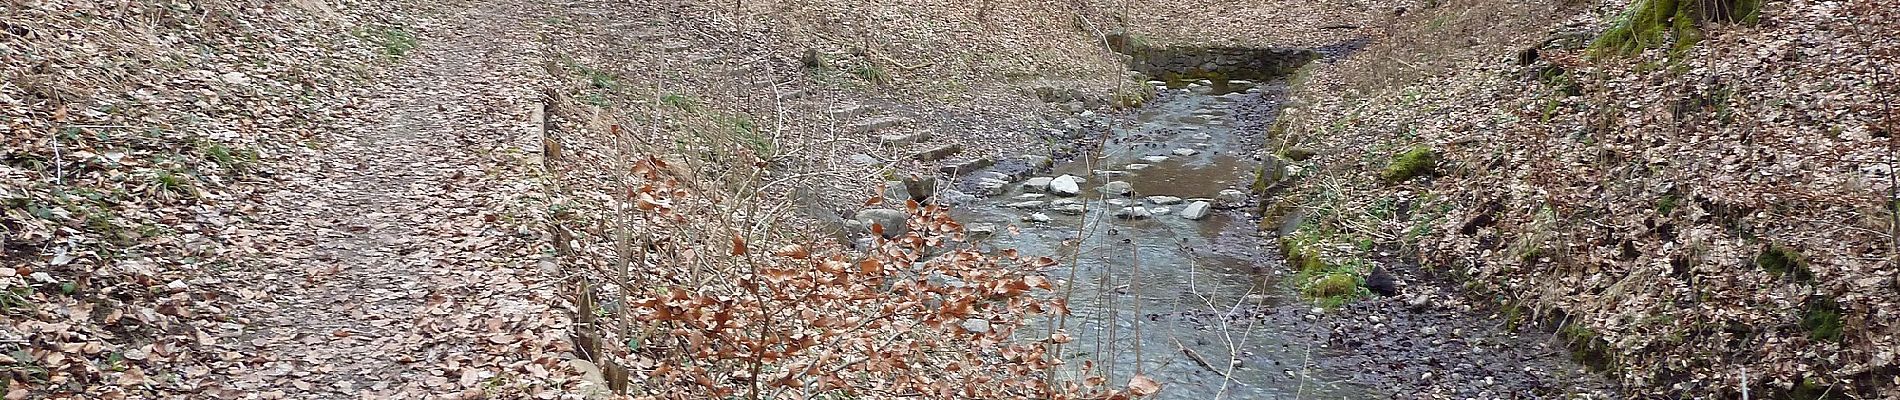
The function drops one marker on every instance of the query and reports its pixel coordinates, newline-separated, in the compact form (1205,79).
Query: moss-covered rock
(1419,161)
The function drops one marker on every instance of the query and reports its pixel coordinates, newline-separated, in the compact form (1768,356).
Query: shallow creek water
(1183,289)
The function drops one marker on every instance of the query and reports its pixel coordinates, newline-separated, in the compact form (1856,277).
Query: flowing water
(1166,296)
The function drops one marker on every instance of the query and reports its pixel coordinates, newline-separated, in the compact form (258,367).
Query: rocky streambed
(1171,277)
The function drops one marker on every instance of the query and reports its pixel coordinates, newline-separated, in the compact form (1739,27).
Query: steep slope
(1696,194)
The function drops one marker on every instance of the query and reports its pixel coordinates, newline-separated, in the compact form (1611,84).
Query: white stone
(1184,152)
(1066,185)
(1195,210)
(1154,159)
(1163,200)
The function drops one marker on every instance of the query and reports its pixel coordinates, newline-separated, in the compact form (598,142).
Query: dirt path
(397,270)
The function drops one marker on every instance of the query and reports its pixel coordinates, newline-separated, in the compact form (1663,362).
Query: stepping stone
(903,138)
(966,166)
(1026,205)
(866,126)
(1154,159)
(1184,152)
(1040,183)
(844,111)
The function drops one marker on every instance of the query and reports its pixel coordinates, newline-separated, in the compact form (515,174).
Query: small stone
(1133,213)
(1030,196)
(1184,152)
(1036,217)
(1026,205)
(864,159)
(894,222)
(1119,188)
(966,166)
(1109,173)
(976,325)
(1163,200)
(954,197)
(1116,202)
(1230,198)
(1159,210)
(1195,210)
(992,187)
(903,138)
(1428,331)
(1071,209)
(1066,185)
(1154,159)
(1040,183)
(1137,167)
(979,231)
(939,152)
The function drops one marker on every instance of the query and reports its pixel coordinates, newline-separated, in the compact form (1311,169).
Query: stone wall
(1172,63)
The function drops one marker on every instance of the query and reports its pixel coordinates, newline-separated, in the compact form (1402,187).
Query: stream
(1171,297)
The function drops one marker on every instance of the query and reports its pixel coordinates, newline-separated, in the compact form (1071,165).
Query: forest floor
(385,274)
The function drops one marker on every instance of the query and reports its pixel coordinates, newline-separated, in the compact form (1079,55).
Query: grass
(1653,23)
(395,42)
(871,72)
(679,101)
(1328,284)
(1419,161)
(1782,261)
(228,158)
(1588,348)
(1822,320)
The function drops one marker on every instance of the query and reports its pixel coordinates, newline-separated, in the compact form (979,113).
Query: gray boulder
(1118,188)
(895,222)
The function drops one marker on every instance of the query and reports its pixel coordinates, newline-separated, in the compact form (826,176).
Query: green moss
(1822,320)
(1813,389)
(679,101)
(1297,153)
(1652,23)
(1333,289)
(1783,261)
(1419,161)
(1666,204)
(1588,348)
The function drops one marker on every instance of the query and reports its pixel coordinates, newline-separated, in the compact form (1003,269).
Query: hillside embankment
(1697,196)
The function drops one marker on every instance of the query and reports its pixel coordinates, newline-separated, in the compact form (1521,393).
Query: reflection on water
(1185,283)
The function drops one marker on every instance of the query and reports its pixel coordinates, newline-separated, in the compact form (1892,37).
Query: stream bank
(1166,250)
